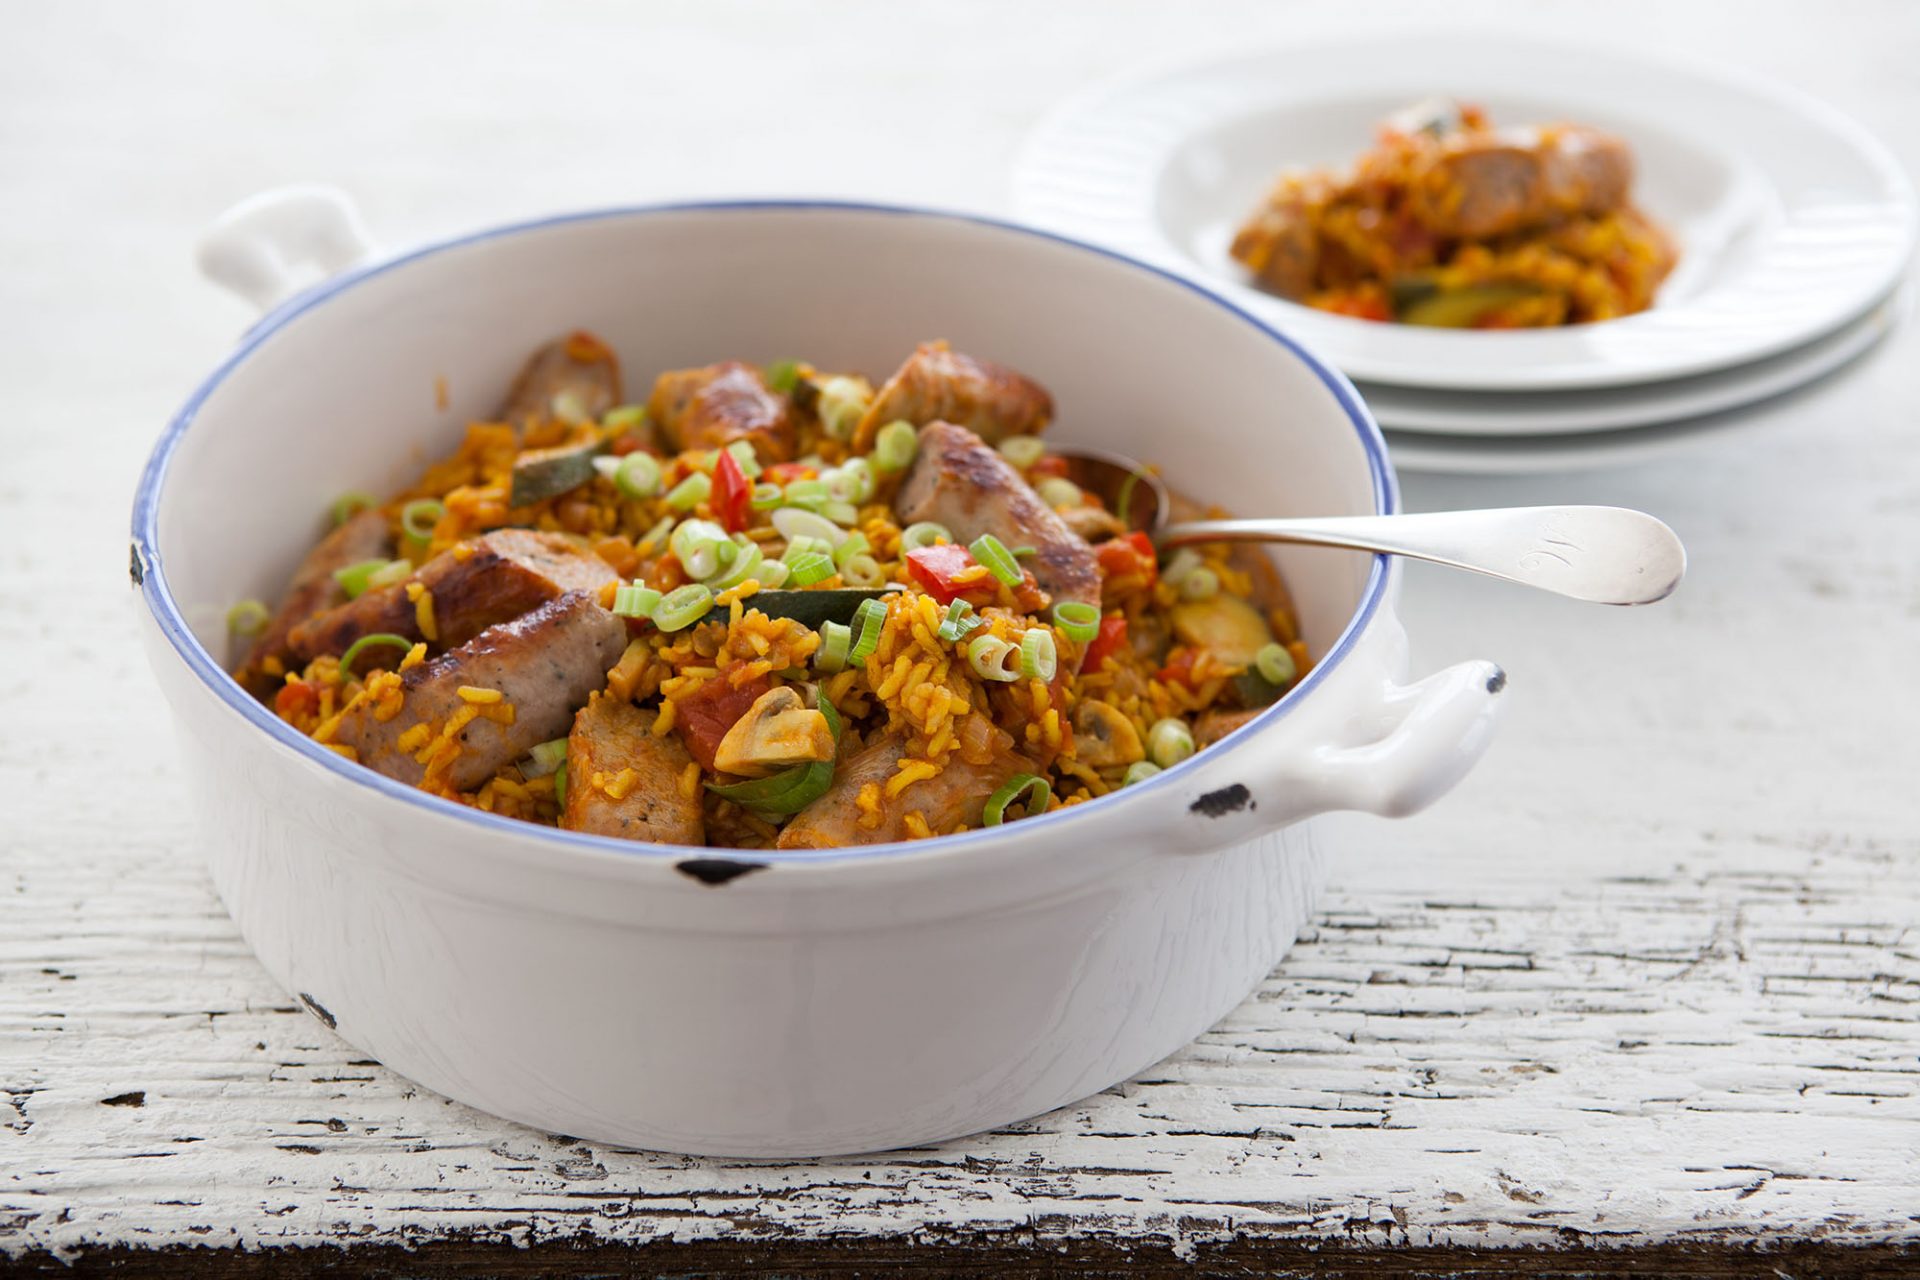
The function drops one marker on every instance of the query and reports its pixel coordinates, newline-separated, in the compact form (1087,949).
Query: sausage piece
(546,664)
(609,738)
(958,480)
(958,793)
(496,577)
(365,536)
(1486,183)
(714,406)
(939,384)
(579,367)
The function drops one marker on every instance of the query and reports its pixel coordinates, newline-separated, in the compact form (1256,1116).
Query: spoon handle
(1606,555)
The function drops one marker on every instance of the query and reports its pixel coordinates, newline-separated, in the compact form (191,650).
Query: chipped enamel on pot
(735,1002)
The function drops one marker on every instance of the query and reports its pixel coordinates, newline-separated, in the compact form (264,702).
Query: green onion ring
(690,493)
(419,517)
(547,757)
(987,655)
(1275,665)
(923,534)
(808,568)
(1039,797)
(1038,658)
(1077,619)
(895,446)
(635,600)
(367,641)
(682,606)
(993,553)
(867,619)
(1123,501)
(349,505)
(638,475)
(832,654)
(248,619)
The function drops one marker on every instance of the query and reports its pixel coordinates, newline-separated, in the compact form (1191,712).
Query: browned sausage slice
(716,405)
(623,781)
(496,577)
(577,374)
(958,480)
(1487,183)
(956,794)
(366,536)
(939,384)
(545,663)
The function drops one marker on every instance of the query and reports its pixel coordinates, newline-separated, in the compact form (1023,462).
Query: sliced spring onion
(691,492)
(635,600)
(960,622)
(1058,491)
(354,578)
(895,446)
(1038,797)
(993,553)
(924,534)
(842,403)
(638,475)
(790,790)
(746,564)
(606,464)
(841,513)
(771,574)
(808,568)
(1275,665)
(802,544)
(560,784)
(697,545)
(765,497)
(749,463)
(1123,501)
(853,545)
(1139,771)
(1022,451)
(867,620)
(682,606)
(627,415)
(781,376)
(1077,619)
(1202,584)
(852,481)
(988,656)
(862,571)
(1022,553)
(809,495)
(1183,562)
(1038,658)
(795,523)
(656,534)
(419,516)
(545,758)
(393,571)
(1169,742)
(726,552)
(831,656)
(349,505)
(568,407)
(248,619)
(368,642)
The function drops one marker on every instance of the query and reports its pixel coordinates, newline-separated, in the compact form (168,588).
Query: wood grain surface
(1642,997)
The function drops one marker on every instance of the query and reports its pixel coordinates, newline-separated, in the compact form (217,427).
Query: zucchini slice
(539,474)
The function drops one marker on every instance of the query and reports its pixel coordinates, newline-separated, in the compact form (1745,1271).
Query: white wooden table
(1645,990)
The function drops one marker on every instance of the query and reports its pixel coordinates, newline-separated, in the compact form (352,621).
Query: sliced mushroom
(1102,737)
(778,730)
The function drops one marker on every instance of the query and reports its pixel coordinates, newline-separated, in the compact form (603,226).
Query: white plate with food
(1519,418)
(1538,185)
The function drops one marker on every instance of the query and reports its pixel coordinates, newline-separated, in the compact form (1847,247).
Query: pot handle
(256,249)
(1408,748)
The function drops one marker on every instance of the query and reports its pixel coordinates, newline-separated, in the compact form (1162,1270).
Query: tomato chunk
(296,697)
(1112,634)
(703,717)
(947,570)
(1125,562)
(732,492)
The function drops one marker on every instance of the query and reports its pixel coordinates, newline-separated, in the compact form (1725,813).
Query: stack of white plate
(1794,225)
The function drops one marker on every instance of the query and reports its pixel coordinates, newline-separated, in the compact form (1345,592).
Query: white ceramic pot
(770,1004)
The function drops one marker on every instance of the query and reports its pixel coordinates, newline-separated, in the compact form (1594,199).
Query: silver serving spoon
(1605,555)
